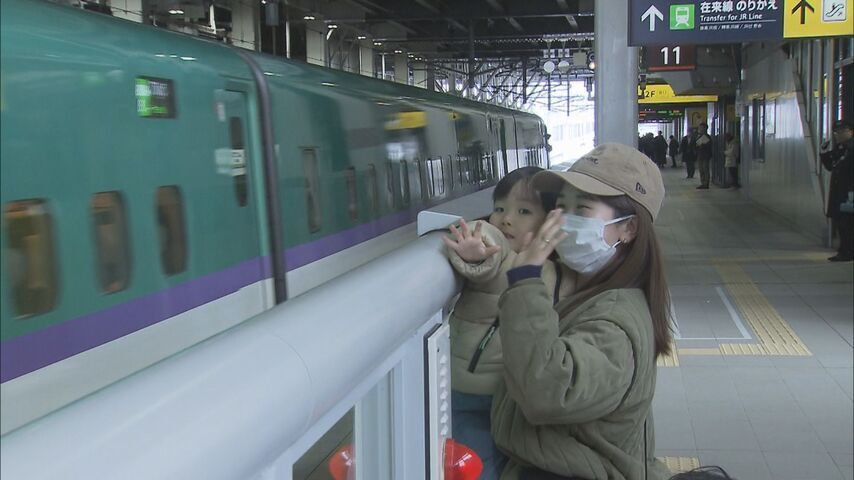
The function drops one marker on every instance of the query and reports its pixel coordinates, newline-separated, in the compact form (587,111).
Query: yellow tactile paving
(700,351)
(680,464)
(775,336)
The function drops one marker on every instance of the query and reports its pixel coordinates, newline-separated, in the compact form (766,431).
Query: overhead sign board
(664,58)
(691,22)
(663,93)
(660,114)
(818,18)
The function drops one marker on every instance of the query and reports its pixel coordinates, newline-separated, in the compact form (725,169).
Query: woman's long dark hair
(639,264)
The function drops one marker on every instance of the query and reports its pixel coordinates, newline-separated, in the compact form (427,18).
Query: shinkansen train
(158,189)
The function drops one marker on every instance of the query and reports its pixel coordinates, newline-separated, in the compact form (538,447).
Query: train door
(239,160)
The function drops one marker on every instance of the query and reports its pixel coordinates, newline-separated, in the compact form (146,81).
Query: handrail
(228,407)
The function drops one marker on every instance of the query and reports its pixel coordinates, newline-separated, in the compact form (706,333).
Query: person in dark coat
(673,147)
(688,153)
(841,165)
(703,150)
(660,150)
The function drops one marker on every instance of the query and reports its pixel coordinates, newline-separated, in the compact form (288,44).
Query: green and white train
(158,189)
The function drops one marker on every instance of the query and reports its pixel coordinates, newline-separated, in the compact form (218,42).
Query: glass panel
(329,453)
(111,241)
(389,183)
(312,190)
(31,257)
(373,189)
(352,194)
(404,181)
(361,439)
(238,160)
(171,230)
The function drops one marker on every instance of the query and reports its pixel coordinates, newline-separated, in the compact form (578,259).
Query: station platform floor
(761,379)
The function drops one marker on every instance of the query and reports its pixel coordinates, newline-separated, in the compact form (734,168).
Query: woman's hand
(469,245)
(537,248)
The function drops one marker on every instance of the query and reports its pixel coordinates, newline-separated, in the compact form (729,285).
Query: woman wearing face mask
(580,376)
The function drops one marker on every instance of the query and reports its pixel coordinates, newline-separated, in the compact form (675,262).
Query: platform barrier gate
(251,402)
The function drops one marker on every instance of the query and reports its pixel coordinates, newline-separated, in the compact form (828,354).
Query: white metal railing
(248,402)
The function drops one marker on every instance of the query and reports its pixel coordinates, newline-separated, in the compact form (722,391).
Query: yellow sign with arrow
(818,18)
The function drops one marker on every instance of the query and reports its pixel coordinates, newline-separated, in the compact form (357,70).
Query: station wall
(778,161)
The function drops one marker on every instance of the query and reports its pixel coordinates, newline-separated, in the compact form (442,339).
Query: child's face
(516,215)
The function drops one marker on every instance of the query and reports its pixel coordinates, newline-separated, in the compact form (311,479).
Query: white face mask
(585,249)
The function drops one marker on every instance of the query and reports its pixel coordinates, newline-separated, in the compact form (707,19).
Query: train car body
(158,189)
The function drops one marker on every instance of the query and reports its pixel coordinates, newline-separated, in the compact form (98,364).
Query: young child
(483,256)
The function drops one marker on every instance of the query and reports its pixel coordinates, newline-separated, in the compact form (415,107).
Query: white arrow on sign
(651,13)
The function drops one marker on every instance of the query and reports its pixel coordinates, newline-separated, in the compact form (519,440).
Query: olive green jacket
(577,395)
(477,308)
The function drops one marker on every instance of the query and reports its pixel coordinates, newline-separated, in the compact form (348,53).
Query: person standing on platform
(673,148)
(579,376)
(660,150)
(731,159)
(482,255)
(841,165)
(703,149)
(689,155)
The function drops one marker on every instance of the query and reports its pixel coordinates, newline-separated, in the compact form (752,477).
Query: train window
(404,182)
(421,184)
(31,257)
(429,173)
(238,160)
(312,189)
(352,194)
(373,190)
(450,173)
(171,230)
(111,241)
(389,181)
(438,172)
(461,168)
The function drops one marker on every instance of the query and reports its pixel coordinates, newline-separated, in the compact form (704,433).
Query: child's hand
(536,249)
(470,245)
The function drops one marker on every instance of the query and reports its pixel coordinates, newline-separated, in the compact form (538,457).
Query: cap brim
(554,181)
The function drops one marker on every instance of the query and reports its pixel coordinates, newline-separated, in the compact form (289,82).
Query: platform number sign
(155,97)
(662,58)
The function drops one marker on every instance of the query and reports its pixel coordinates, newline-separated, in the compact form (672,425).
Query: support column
(401,69)
(616,75)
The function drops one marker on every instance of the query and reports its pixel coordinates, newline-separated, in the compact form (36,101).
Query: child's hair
(703,473)
(524,174)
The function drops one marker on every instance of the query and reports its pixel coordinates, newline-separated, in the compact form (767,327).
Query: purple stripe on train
(304,254)
(30,352)
(24,354)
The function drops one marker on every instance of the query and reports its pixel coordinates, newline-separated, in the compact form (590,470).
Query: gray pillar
(616,75)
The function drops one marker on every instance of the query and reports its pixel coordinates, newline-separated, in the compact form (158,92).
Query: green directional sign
(682,17)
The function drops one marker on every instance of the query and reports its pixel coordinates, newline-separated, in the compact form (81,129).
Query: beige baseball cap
(609,170)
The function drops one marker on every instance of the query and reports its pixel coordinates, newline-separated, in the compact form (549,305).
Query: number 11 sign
(664,58)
